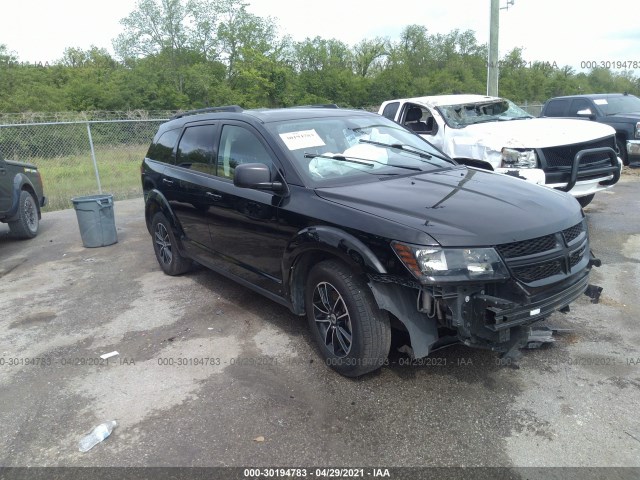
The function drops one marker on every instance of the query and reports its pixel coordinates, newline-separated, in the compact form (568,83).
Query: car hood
(463,206)
(534,133)
(624,117)
(21,164)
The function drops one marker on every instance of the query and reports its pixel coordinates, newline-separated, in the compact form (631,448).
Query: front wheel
(27,223)
(352,333)
(166,247)
(622,148)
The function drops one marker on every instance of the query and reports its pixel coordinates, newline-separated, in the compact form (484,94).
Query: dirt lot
(574,403)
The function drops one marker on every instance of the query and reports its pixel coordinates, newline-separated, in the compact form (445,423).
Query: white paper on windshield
(302,139)
(601,101)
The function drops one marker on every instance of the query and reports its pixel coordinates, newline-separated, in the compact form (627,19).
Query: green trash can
(96,220)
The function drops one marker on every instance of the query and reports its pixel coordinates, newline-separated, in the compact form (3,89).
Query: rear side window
(162,150)
(195,150)
(556,108)
(390,110)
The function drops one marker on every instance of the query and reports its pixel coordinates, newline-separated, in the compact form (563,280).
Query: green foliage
(181,54)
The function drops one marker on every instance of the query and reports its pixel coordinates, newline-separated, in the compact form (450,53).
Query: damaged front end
(486,297)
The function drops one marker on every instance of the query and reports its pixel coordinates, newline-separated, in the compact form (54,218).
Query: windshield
(615,105)
(459,116)
(335,150)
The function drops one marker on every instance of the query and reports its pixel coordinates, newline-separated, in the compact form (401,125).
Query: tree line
(183,54)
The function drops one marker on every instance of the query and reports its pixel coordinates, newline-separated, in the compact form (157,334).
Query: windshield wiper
(360,161)
(408,149)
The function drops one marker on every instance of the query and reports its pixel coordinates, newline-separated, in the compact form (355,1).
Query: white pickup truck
(493,133)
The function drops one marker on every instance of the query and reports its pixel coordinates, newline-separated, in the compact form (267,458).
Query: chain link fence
(80,158)
(88,153)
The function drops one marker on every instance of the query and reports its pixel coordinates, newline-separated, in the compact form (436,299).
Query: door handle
(166,181)
(215,196)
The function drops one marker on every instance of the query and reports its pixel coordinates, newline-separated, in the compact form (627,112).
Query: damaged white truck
(495,134)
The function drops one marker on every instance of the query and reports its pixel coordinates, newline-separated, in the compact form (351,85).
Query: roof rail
(321,105)
(225,108)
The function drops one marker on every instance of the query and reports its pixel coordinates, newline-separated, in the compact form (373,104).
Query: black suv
(621,111)
(361,225)
(21,196)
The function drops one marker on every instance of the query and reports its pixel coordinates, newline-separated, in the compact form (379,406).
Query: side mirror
(256,176)
(587,113)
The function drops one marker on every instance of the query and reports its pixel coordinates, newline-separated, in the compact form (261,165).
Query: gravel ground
(210,374)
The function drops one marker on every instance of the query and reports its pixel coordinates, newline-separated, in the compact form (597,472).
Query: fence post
(93,157)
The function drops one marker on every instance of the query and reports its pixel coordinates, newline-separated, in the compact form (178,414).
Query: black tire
(28,221)
(584,201)
(622,148)
(166,247)
(352,334)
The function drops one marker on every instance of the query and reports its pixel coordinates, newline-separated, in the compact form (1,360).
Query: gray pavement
(206,367)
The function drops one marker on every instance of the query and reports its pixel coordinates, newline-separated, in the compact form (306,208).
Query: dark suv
(621,111)
(363,226)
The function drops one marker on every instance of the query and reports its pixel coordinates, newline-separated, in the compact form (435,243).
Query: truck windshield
(460,116)
(616,105)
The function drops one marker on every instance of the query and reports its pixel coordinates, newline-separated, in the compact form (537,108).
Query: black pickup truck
(21,197)
(620,110)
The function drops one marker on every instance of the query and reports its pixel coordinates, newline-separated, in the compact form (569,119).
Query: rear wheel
(166,247)
(27,223)
(352,333)
(584,201)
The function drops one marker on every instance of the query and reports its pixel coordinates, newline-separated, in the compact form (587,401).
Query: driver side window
(419,120)
(239,145)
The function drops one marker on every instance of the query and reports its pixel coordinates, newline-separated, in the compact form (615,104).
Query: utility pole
(492,64)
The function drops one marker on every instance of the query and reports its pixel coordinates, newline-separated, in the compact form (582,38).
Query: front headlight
(438,265)
(512,158)
(638,130)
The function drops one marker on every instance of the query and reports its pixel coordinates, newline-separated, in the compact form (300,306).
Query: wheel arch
(313,245)
(22,183)
(157,202)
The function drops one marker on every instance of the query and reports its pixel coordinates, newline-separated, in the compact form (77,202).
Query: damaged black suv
(348,218)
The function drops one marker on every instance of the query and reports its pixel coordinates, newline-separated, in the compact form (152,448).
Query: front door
(244,226)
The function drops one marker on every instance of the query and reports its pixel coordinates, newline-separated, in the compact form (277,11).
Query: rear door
(187,183)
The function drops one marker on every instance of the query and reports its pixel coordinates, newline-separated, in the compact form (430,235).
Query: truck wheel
(622,147)
(166,247)
(27,223)
(584,201)
(352,333)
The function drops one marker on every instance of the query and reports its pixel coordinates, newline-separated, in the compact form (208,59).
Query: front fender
(313,244)
(336,241)
(21,182)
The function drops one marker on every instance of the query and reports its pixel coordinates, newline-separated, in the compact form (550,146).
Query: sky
(561,32)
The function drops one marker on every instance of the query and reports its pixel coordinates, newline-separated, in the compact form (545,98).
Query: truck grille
(563,156)
(545,257)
